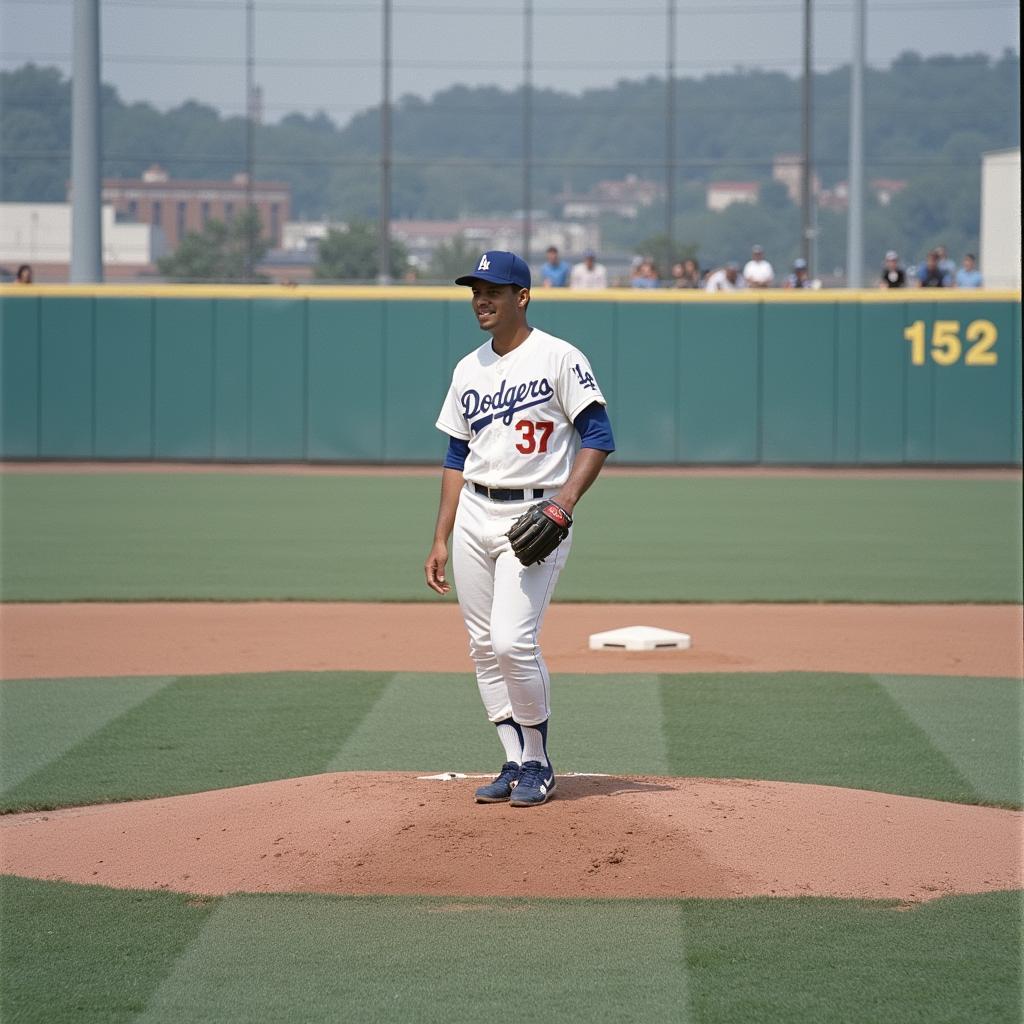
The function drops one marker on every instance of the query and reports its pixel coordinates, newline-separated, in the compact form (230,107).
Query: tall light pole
(384,214)
(527,123)
(670,128)
(86,229)
(807,169)
(250,136)
(855,228)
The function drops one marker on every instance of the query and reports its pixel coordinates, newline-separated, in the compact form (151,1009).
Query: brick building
(179,206)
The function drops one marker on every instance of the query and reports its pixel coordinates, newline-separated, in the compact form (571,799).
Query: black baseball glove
(538,531)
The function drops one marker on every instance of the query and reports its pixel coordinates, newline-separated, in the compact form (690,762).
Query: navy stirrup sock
(511,736)
(535,742)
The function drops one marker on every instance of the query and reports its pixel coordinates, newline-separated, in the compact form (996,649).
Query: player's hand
(434,568)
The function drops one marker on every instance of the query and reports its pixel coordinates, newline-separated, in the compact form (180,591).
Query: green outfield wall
(358,374)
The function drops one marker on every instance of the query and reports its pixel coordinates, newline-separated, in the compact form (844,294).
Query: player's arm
(585,470)
(597,443)
(451,485)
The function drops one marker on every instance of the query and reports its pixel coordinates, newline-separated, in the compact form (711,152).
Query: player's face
(497,306)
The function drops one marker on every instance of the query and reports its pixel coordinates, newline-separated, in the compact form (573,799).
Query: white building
(305,235)
(722,194)
(999,258)
(422,238)
(40,234)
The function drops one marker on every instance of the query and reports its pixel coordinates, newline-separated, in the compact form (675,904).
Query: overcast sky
(325,54)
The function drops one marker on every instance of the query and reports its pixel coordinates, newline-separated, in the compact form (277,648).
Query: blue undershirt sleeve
(594,428)
(455,458)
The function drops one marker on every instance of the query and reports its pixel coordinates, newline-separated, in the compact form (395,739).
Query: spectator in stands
(727,279)
(758,272)
(589,273)
(24,275)
(799,278)
(646,275)
(686,274)
(968,276)
(930,274)
(893,275)
(946,265)
(634,268)
(555,271)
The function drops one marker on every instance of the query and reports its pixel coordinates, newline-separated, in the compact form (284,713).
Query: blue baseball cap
(499,267)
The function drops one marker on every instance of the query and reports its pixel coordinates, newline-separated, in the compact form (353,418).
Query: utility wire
(420,161)
(418,64)
(562,11)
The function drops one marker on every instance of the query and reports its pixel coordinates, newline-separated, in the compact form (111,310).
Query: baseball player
(527,435)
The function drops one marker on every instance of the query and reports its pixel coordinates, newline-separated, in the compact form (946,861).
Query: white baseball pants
(503,603)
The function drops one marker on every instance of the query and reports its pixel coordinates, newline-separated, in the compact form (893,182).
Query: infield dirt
(100,639)
(387,832)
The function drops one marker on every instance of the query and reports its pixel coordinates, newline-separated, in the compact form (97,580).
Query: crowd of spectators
(936,271)
(758,272)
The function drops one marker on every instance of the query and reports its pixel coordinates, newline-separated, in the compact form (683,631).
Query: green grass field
(88,954)
(156,958)
(83,741)
(241,537)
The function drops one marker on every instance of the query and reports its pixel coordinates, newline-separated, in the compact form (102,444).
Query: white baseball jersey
(517,411)
(582,276)
(758,272)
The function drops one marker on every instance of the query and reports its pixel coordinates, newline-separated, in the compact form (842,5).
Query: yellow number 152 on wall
(946,346)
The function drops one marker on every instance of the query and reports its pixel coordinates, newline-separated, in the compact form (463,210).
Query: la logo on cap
(485,263)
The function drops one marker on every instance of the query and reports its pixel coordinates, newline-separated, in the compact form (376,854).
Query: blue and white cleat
(536,784)
(498,791)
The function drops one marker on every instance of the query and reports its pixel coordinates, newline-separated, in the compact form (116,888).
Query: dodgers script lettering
(507,400)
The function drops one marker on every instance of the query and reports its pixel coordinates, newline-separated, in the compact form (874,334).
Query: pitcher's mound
(366,832)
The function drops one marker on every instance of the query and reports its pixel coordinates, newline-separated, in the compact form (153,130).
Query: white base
(639,638)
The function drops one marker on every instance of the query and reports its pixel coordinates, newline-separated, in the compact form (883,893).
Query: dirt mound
(363,832)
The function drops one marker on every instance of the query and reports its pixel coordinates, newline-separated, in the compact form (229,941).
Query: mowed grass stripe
(88,955)
(810,961)
(158,957)
(207,732)
(42,719)
(202,733)
(967,730)
(828,728)
(429,961)
(798,539)
(437,723)
(611,724)
(237,537)
(423,721)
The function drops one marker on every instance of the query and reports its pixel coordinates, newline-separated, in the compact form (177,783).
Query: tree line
(927,122)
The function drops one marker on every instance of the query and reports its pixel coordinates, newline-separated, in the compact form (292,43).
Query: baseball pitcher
(527,435)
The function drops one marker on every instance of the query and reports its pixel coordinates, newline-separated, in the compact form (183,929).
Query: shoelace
(532,774)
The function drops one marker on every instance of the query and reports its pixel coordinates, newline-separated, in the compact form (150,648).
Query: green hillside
(927,122)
